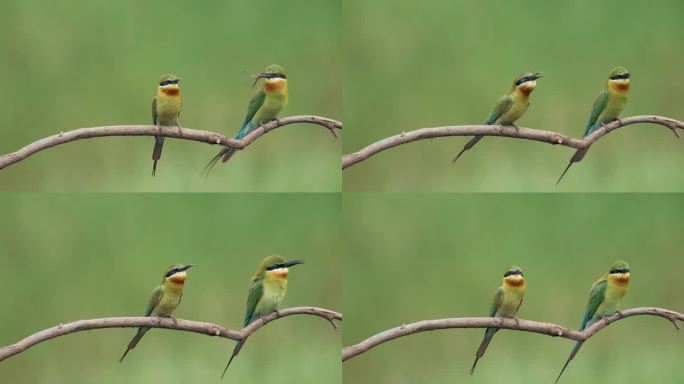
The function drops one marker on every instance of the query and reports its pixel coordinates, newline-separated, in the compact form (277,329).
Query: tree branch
(505,131)
(152,130)
(159,322)
(498,322)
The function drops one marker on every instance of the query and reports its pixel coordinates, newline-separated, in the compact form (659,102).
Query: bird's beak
(257,77)
(186,267)
(290,263)
(538,75)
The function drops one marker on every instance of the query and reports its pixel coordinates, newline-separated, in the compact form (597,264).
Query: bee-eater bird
(510,107)
(507,300)
(604,299)
(607,107)
(267,290)
(165,298)
(264,107)
(166,108)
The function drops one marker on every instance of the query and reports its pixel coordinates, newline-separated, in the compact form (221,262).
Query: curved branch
(505,323)
(152,130)
(159,322)
(505,131)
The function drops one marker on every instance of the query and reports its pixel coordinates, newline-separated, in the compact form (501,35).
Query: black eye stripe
(272,267)
(621,76)
(511,273)
(167,82)
(525,79)
(171,272)
(623,270)
(274,76)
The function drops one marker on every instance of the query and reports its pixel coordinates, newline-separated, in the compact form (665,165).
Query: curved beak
(186,267)
(290,263)
(538,75)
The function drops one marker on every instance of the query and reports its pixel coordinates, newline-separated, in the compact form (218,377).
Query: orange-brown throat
(274,85)
(620,87)
(621,279)
(514,281)
(169,91)
(280,273)
(177,279)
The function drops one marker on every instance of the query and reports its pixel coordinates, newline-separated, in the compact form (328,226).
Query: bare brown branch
(497,322)
(158,322)
(152,130)
(505,131)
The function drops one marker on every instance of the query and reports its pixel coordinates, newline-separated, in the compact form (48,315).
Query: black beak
(186,267)
(256,78)
(537,75)
(290,263)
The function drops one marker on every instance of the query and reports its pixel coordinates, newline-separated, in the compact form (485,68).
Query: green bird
(264,107)
(604,299)
(607,107)
(166,108)
(267,290)
(510,107)
(165,299)
(507,300)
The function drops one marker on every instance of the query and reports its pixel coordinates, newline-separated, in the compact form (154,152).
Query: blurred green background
(75,64)
(409,258)
(67,257)
(417,64)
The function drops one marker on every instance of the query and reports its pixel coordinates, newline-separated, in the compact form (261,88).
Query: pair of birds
(605,297)
(607,107)
(267,290)
(264,107)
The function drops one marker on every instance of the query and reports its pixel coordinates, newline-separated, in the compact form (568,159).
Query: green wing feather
(154,300)
(254,105)
(501,107)
(154,111)
(256,290)
(498,299)
(595,299)
(598,107)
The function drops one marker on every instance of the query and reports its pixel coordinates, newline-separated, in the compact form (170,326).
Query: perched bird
(507,301)
(607,107)
(604,299)
(266,291)
(510,107)
(264,107)
(166,108)
(165,298)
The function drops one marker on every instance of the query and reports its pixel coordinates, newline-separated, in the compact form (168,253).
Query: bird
(605,297)
(510,107)
(264,107)
(165,299)
(607,107)
(166,108)
(507,300)
(267,290)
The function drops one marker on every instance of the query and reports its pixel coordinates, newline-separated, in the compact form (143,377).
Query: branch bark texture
(549,137)
(159,322)
(512,324)
(152,130)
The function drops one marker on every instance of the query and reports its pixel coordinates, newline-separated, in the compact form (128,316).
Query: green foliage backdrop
(76,64)
(65,259)
(409,258)
(417,64)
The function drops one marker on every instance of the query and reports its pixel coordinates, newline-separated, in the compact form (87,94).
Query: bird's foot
(604,125)
(517,321)
(159,128)
(180,129)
